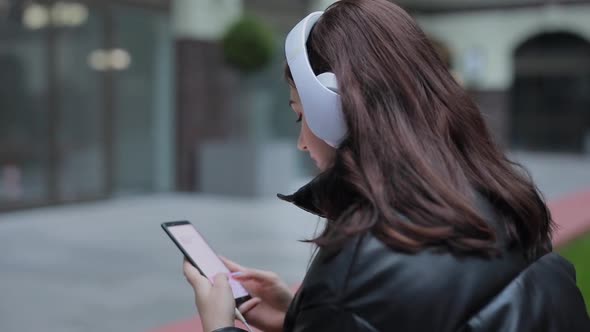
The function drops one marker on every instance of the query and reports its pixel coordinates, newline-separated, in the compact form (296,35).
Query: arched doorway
(551,93)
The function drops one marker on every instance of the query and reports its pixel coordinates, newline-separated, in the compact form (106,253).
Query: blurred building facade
(527,64)
(107,97)
(86,100)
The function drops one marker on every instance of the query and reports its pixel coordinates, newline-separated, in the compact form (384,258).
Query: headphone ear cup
(329,81)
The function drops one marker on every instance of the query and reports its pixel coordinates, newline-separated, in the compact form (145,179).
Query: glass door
(83,106)
(25,161)
(86,107)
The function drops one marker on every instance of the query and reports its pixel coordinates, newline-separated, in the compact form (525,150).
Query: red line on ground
(572,217)
(192,325)
(189,325)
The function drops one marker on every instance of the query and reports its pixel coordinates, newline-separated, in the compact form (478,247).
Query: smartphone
(199,253)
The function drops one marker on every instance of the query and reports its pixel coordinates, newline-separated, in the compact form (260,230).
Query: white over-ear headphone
(319,94)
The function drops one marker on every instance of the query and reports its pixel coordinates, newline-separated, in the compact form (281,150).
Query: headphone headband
(319,94)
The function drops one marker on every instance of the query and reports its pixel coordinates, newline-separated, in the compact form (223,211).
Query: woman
(429,226)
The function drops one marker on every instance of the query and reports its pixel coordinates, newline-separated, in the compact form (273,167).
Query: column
(203,81)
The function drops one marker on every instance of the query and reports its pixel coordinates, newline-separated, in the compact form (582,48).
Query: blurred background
(117,115)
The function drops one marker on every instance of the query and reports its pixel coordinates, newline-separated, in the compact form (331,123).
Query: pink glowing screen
(195,246)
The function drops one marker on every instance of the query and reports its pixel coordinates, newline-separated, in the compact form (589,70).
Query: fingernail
(236,274)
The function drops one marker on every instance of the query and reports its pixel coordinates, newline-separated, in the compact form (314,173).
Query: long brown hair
(418,149)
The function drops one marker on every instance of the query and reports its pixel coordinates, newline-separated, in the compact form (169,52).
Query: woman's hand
(271,297)
(215,302)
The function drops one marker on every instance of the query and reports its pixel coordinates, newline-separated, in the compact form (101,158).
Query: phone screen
(203,256)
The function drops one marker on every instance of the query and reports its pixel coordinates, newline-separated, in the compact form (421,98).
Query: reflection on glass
(142,61)
(23,116)
(80,134)
(58,88)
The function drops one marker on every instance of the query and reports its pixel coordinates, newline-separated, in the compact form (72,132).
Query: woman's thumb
(249,305)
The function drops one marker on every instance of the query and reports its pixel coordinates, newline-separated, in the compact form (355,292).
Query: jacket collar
(306,197)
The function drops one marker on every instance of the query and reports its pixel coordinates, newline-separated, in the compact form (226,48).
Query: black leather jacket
(366,286)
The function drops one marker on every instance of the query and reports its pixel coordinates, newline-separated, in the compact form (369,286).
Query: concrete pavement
(107,266)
